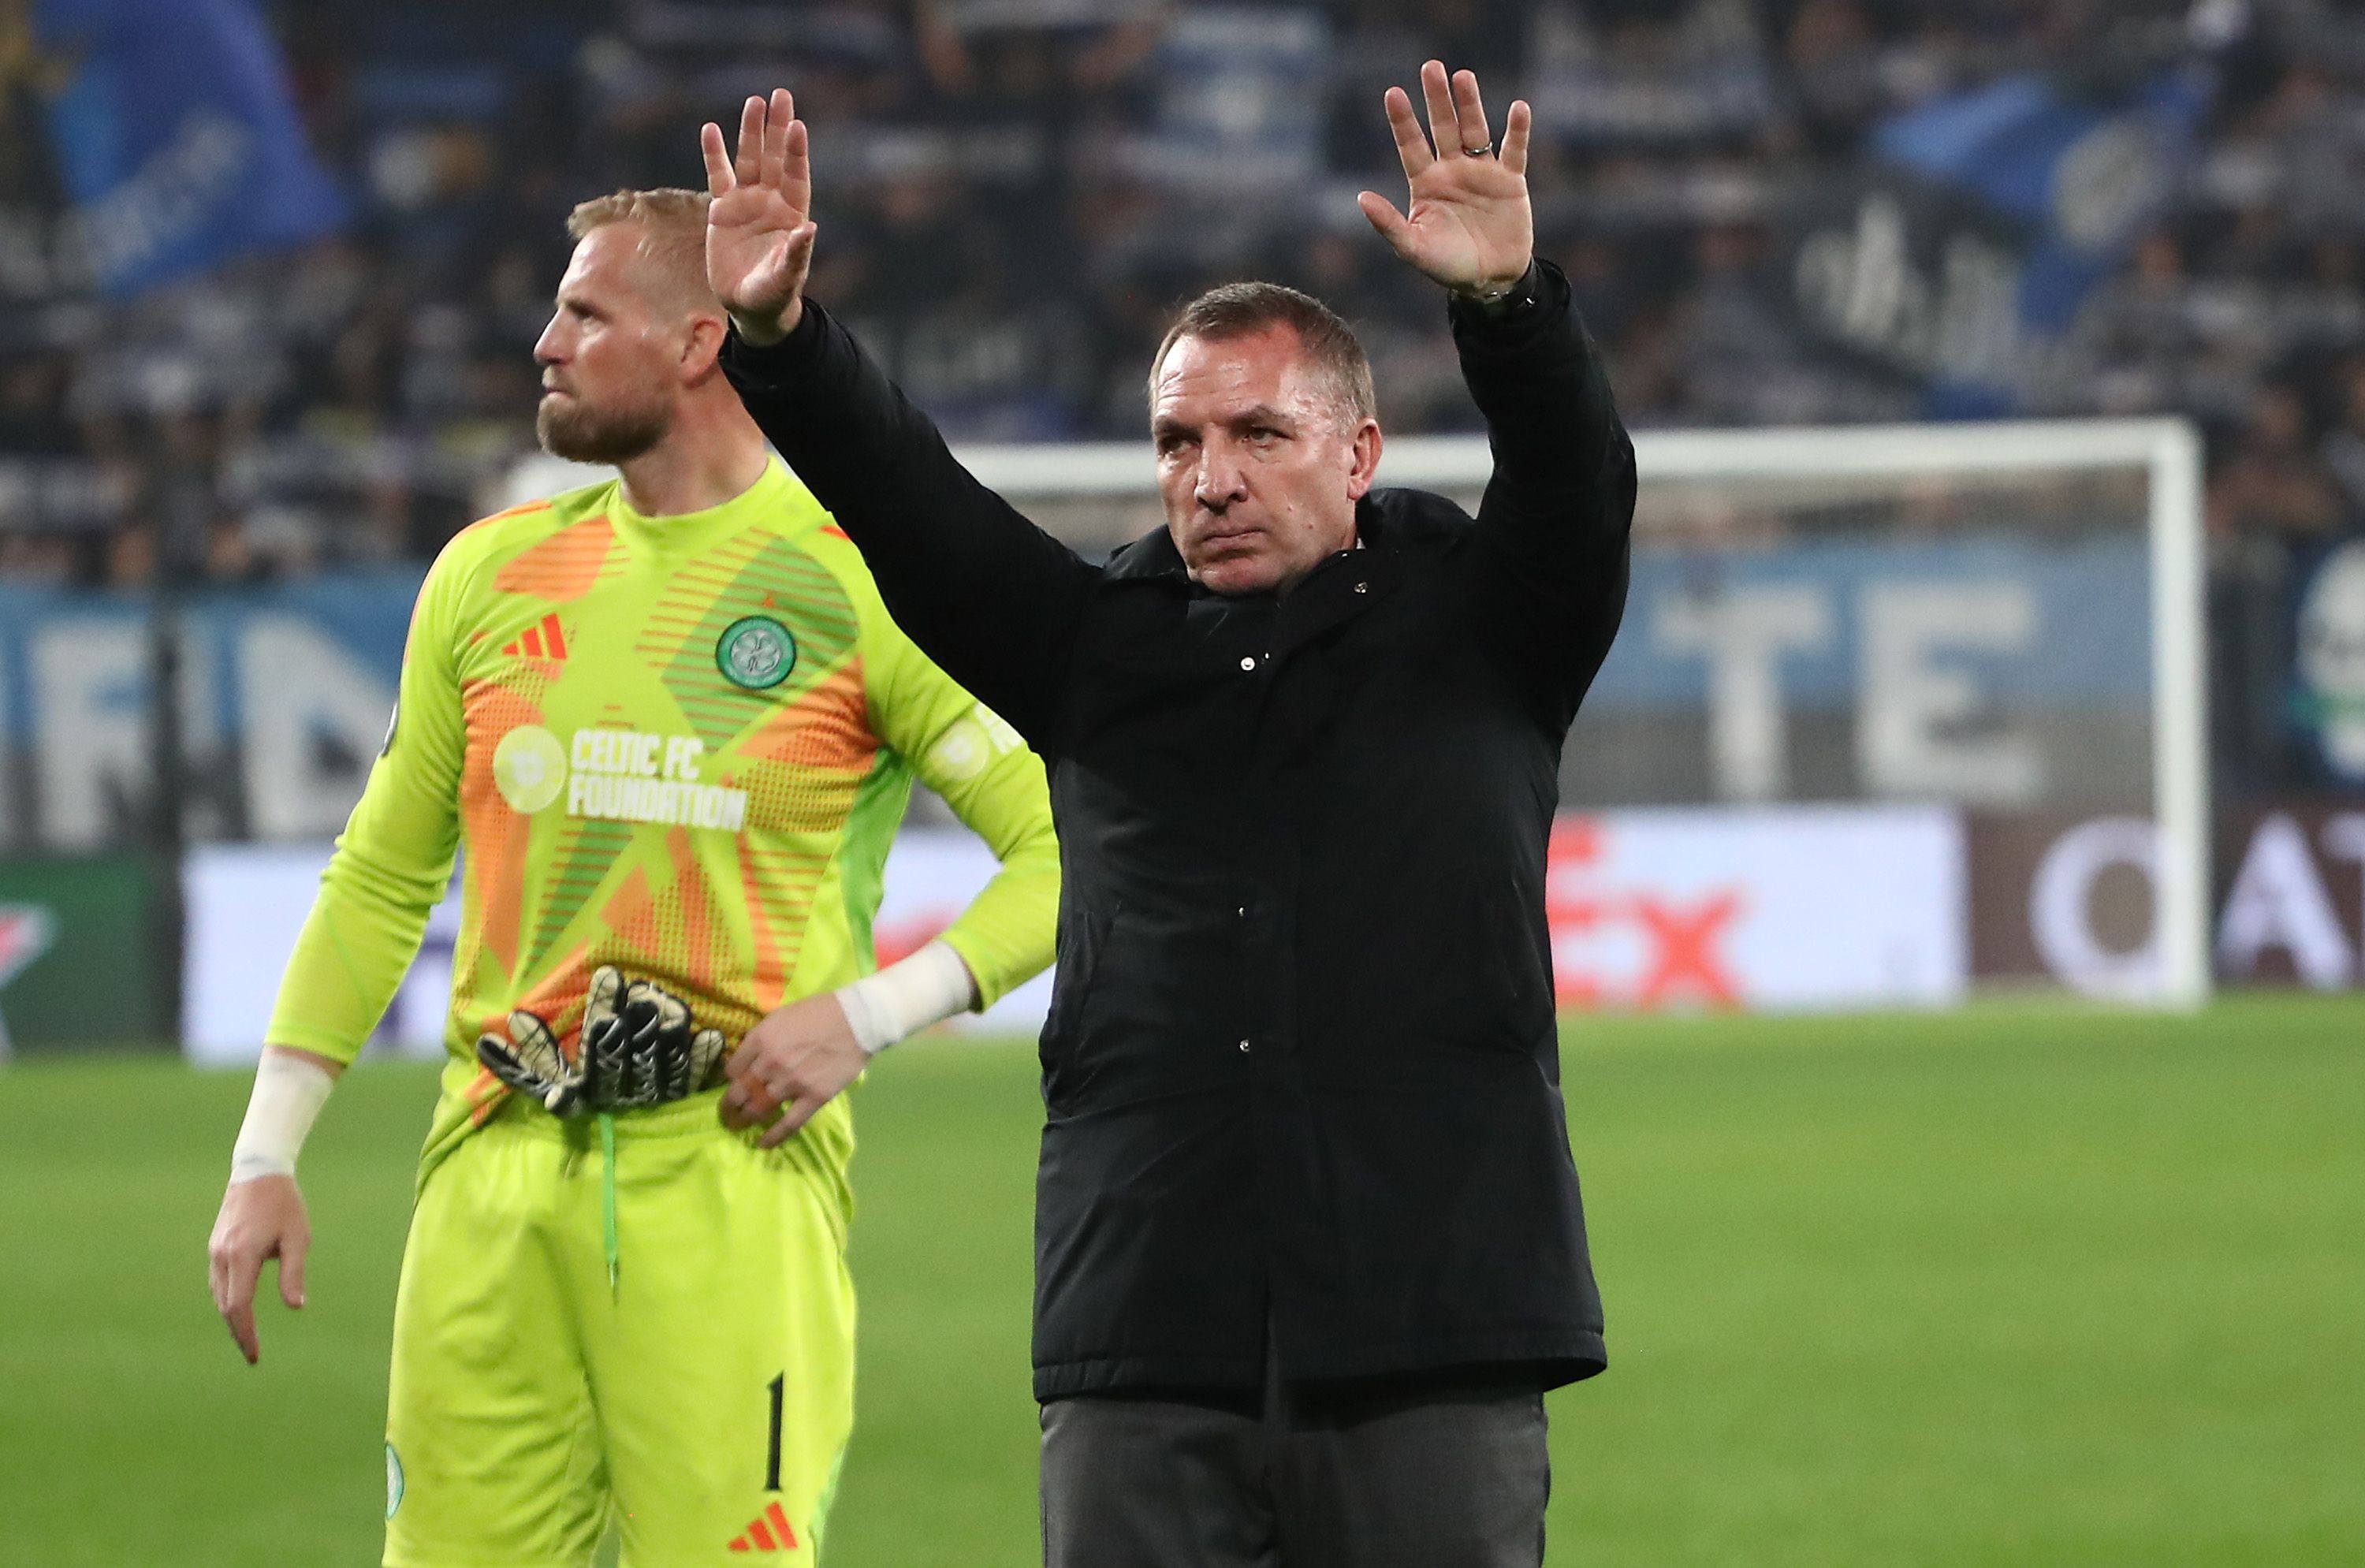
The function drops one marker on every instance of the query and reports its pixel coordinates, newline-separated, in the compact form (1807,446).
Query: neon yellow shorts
(701,1404)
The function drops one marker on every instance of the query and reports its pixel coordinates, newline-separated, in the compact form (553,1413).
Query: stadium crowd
(1022,189)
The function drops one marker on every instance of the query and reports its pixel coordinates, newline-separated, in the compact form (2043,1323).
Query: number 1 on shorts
(779,1386)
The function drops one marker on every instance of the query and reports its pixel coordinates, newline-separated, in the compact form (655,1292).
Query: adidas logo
(770,1532)
(542,641)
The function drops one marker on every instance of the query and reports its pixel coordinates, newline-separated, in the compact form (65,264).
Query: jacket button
(1247,662)
(1362,588)
(1244,1045)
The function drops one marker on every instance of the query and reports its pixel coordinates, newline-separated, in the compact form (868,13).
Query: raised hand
(1468,225)
(759,231)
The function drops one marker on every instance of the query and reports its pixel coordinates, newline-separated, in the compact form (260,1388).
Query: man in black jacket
(1310,1245)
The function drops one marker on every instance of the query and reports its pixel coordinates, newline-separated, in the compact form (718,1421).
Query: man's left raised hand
(1468,225)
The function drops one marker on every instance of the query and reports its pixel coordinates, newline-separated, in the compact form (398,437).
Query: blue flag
(176,138)
(1961,251)
(2082,177)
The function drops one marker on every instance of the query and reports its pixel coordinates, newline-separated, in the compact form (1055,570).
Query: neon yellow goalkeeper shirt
(680,745)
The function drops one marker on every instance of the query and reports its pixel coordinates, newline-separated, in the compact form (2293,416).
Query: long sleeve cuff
(763,367)
(1492,335)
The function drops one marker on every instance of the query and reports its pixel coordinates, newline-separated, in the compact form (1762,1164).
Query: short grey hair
(1329,345)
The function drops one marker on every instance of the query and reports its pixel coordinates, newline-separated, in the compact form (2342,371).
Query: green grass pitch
(2027,1284)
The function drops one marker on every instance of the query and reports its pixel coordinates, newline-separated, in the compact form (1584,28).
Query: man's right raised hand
(760,238)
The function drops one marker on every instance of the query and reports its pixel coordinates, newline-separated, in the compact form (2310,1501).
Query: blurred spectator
(2344,445)
(2271,483)
(1020,190)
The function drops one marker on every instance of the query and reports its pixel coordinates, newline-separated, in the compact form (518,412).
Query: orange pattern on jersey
(698,934)
(768,982)
(784,879)
(828,725)
(484,1095)
(496,836)
(635,924)
(561,568)
(803,767)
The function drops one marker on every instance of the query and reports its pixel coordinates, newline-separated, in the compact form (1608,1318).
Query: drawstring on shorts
(608,1194)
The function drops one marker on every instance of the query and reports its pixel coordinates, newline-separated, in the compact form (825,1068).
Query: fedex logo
(1758,907)
(1619,942)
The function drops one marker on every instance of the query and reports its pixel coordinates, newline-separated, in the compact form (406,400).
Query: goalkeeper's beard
(571,428)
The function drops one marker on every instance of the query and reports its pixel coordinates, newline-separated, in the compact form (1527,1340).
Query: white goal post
(2167,451)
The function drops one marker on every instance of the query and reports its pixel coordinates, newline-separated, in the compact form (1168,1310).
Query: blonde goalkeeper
(675,731)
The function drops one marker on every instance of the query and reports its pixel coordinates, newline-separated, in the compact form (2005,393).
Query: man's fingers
(776,138)
(720,181)
(1392,224)
(235,1301)
(751,141)
(241,1329)
(749,1101)
(795,1117)
(780,274)
(1444,126)
(1470,112)
(1515,126)
(292,1252)
(1412,147)
(796,168)
(733,1107)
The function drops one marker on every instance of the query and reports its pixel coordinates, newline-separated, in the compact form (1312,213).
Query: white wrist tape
(906,997)
(288,1094)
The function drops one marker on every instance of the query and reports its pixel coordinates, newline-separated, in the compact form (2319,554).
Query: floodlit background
(1928,1236)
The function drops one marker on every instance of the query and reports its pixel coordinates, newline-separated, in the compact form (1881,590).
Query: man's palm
(1469,221)
(747,250)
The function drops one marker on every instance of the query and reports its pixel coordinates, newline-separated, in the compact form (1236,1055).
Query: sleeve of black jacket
(985,593)
(1553,529)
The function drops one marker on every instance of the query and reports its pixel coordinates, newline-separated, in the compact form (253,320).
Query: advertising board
(2063,899)
(67,925)
(1775,908)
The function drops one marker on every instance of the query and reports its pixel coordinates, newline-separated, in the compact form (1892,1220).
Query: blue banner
(1962,252)
(285,696)
(2082,177)
(176,138)
(2033,625)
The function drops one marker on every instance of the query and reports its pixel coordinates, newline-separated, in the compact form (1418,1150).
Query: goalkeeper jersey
(680,745)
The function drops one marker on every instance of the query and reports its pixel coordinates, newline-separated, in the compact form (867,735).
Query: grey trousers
(1438,1479)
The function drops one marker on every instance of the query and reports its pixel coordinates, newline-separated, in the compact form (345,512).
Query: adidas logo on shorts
(770,1532)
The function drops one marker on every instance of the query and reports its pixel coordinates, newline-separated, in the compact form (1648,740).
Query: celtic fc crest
(755,652)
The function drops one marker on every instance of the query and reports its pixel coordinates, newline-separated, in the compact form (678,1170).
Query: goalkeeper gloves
(530,1062)
(639,1048)
(640,1045)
